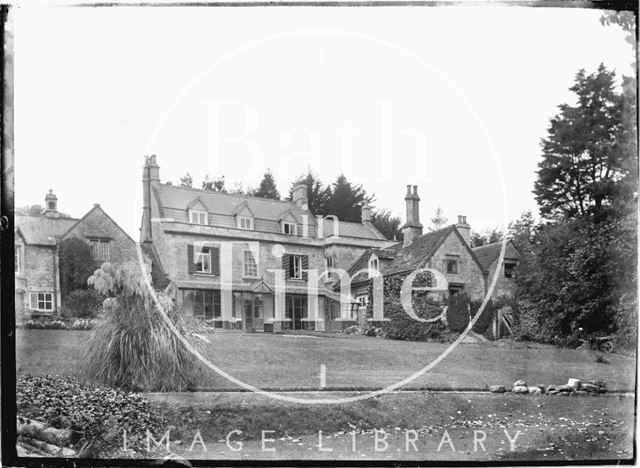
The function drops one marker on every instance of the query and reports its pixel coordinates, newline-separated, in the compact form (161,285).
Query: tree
(317,193)
(439,220)
(186,180)
(37,210)
(214,185)
(76,265)
(345,200)
(583,156)
(267,187)
(387,224)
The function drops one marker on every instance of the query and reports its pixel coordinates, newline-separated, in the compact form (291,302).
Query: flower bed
(58,324)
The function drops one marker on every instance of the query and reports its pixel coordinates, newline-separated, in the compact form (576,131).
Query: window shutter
(285,266)
(215,260)
(191,266)
(305,266)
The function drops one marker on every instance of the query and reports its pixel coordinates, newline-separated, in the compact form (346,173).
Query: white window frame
(293,228)
(374,266)
(329,262)
(296,272)
(45,300)
(249,262)
(100,249)
(204,253)
(198,217)
(245,223)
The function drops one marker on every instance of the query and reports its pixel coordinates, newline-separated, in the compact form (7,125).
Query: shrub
(458,312)
(485,319)
(58,324)
(133,348)
(83,303)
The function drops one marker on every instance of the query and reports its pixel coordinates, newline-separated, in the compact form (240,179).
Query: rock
(587,387)
(519,383)
(543,389)
(552,388)
(601,384)
(564,388)
(552,392)
(497,389)
(574,383)
(535,390)
(520,389)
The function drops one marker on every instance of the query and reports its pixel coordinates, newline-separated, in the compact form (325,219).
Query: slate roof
(179,198)
(42,230)
(170,196)
(487,254)
(421,249)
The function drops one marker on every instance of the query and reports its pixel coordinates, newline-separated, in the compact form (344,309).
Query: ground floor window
(41,301)
(296,309)
(205,303)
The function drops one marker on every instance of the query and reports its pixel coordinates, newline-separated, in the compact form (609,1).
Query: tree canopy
(583,155)
(345,200)
(267,187)
(76,265)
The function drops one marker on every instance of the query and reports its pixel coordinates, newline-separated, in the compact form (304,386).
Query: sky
(452,99)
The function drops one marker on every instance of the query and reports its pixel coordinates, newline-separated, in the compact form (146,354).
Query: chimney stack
(150,176)
(464,229)
(412,228)
(365,217)
(51,205)
(299,196)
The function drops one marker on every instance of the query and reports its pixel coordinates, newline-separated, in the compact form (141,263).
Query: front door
(296,310)
(252,311)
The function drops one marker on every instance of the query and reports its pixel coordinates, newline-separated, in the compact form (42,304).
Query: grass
(293,361)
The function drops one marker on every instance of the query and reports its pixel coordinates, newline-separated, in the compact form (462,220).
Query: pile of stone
(573,387)
(36,438)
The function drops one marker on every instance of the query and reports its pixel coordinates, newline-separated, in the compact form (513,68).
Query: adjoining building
(37,245)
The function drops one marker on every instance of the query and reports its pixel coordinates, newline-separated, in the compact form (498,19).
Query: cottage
(249,263)
(37,244)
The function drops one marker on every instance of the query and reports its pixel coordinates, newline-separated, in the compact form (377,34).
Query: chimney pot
(415,190)
(408,189)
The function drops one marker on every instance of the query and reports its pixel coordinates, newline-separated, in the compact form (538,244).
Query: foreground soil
(439,426)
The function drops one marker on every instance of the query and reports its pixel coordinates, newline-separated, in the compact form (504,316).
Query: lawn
(274,361)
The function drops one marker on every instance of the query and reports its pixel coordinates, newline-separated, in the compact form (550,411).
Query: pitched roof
(348,229)
(179,198)
(171,196)
(421,249)
(43,230)
(487,254)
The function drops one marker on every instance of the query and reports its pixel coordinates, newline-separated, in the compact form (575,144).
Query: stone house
(488,256)
(447,250)
(37,245)
(250,263)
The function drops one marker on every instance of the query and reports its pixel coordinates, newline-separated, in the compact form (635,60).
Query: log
(38,430)
(31,449)
(45,447)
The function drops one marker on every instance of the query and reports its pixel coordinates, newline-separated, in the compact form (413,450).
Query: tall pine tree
(267,187)
(345,200)
(317,192)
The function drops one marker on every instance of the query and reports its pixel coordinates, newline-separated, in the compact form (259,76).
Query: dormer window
(245,222)
(198,217)
(288,228)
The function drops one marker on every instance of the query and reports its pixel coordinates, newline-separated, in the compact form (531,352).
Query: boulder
(601,384)
(520,389)
(535,390)
(552,392)
(574,383)
(552,388)
(564,388)
(497,389)
(587,387)
(519,383)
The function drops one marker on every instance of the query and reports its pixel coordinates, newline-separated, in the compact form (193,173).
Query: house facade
(250,263)
(37,247)
(448,250)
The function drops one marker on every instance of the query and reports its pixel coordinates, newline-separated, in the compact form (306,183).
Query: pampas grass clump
(132,347)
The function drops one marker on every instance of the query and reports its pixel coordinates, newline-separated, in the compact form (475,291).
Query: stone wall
(469,272)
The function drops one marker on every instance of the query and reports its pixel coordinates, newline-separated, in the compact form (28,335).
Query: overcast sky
(449,99)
